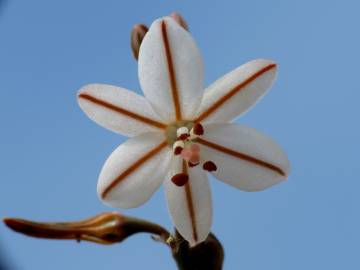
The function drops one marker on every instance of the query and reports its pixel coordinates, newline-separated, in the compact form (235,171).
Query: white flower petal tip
(134,171)
(245,158)
(118,109)
(190,205)
(171,70)
(237,91)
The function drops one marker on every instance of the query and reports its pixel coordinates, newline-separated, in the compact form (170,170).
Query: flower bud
(137,35)
(180,20)
(106,228)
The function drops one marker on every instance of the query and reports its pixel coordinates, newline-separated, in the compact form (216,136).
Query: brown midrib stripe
(132,168)
(241,156)
(233,92)
(190,204)
(117,109)
(171,71)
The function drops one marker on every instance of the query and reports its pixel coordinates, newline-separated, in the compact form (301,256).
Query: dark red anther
(184,136)
(177,150)
(180,179)
(209,166)
(198,129)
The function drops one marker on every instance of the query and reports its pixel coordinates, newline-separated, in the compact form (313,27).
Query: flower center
(182,137)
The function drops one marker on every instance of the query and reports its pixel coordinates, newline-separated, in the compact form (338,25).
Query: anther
(180,179)
(177,151)
(198,129)
(183,137)
(182,133)
(178,147)
(182,130)
(209,166)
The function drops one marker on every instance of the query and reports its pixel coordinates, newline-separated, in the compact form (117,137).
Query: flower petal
(134,171)
(118,109)
(190,205)
(237,91)
(244,157)
(171,70)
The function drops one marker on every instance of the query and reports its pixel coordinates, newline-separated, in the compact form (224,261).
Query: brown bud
(106,228)
(137,35)
(180,20)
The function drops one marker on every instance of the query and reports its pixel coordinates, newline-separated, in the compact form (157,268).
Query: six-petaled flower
(179,132)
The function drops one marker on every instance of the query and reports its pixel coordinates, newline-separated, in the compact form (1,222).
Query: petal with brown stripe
(244,157)
(171,70)
(190,205)
(118,109)
(237,91)
(134,171)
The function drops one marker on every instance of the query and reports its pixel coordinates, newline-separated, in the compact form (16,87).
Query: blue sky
(51,153)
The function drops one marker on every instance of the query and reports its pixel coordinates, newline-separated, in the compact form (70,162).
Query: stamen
(209,166)
(186,146)
(180,179)
(178,147)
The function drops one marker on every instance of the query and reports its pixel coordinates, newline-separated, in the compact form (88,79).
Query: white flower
(179,132)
